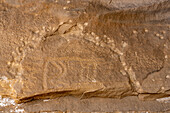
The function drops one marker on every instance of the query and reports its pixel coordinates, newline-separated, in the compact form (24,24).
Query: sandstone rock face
(84,48)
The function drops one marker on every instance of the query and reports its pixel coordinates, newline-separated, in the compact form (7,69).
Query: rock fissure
(155,71)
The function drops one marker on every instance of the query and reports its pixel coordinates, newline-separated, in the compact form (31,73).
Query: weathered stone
(84,48)
(73,104)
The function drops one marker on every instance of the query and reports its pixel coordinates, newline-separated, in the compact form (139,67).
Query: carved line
(75,58)
(62,68)
(45,75)
(87,67)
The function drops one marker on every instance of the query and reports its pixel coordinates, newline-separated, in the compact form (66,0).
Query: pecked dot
(135,32)
(162,88)
(68,1)
(167,76)
(85,24)
(146,30)
(64,8)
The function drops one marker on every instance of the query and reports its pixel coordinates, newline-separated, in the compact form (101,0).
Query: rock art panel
(71,67)
(84,48)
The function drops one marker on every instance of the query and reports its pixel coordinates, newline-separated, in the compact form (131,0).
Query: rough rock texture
(105,105)
(85,49)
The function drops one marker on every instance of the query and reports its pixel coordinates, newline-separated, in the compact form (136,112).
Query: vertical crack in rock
(132,76)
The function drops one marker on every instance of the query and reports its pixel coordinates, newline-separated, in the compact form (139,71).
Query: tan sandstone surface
(84,55)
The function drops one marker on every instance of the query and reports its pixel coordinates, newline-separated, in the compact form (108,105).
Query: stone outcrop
(84,48)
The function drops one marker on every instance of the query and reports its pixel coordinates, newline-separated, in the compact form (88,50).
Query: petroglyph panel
(74,66)
(64,70)
(84,48)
